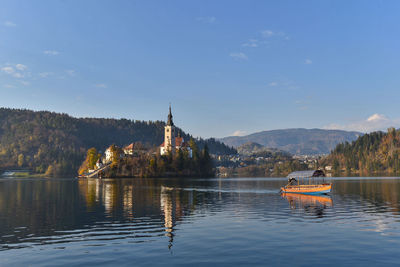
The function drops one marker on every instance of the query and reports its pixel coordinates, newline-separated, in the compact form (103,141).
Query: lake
(238,221)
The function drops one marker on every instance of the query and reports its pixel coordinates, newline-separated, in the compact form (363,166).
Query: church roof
(170,122)
(179,142)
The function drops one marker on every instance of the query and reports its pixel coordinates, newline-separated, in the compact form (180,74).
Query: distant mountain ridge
(255,149)
(298,141)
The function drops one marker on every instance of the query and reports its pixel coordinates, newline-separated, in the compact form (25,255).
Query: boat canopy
(306,174)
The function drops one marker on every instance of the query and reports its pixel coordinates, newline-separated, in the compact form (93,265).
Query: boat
(296,183)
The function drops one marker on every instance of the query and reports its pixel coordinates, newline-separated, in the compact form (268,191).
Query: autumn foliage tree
(376,152)
(91,158)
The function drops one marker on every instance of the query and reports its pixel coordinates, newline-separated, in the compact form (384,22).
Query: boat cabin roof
(306,174)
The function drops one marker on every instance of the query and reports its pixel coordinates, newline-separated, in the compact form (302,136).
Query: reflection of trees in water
(133,199)
(38,208)
(47,208)
(139,198)
(128,201)
(379,195)
(153,207)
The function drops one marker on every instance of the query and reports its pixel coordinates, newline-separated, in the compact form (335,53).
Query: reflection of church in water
(133,201)
(173,209)
(168,207)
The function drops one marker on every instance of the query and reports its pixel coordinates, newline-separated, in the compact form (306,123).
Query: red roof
(178,142)
(129,146)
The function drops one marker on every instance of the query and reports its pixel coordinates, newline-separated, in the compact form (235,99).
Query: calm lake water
(197,222)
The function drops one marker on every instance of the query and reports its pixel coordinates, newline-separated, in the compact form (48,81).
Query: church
(172,141)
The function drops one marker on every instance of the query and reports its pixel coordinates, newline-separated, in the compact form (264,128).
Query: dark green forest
(55,144)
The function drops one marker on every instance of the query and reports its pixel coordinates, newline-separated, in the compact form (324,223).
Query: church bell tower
(169,134)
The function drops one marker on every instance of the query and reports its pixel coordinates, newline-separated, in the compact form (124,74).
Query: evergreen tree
(206,167)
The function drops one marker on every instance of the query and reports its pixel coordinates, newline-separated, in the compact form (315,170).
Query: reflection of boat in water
(311,188)
(308,199)
(312,204)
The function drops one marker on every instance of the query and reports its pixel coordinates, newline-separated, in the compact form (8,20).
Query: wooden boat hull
(308,189)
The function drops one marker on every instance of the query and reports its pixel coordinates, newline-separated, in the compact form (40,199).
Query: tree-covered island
(144,162)
(173,158)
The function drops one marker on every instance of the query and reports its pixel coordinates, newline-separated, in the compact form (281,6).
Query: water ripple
(231,221)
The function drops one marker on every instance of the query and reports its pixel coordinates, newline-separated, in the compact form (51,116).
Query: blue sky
(227,67)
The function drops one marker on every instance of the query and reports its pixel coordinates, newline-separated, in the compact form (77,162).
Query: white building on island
(171,141)
(109,154)
(128,150)
(112,151)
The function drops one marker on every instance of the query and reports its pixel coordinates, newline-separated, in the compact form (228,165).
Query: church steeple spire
(170,122)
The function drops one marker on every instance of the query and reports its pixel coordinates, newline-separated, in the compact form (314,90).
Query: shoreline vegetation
(371,154)
(144,164)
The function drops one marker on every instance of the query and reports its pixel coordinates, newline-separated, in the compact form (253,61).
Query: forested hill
(377,152)
(296,141)
(56,143)
(257,150)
